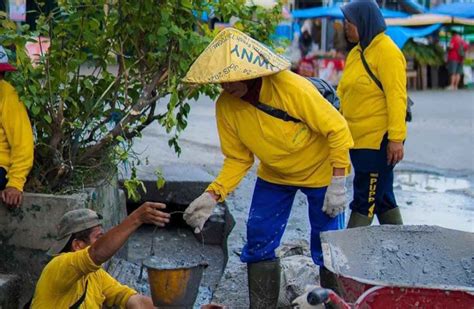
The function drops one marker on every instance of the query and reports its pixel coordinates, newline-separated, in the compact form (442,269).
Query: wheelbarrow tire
(392,216)
(264,284)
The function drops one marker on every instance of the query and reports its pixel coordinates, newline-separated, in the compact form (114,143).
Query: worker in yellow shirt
(303,146)
(16,140)
(373,98)
(74,277)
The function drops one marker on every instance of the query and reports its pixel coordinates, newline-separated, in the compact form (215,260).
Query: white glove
(335,199)
(199,211)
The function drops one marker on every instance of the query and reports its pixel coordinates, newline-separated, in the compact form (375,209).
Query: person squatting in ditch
(74,278)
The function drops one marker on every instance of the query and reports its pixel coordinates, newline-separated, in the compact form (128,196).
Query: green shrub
(109,67)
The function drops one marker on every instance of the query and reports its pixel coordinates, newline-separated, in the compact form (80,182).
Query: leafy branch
(109,66)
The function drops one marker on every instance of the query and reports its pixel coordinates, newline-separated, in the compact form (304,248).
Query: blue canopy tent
(400,35)
(454,13)
(463,10)
(336,13)
(319,12)
(284,30)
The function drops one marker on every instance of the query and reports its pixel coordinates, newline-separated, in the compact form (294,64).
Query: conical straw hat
(234,56)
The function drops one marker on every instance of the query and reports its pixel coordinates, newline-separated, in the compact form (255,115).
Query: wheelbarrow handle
(320,296)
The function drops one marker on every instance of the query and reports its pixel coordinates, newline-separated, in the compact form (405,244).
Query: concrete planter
(28,232)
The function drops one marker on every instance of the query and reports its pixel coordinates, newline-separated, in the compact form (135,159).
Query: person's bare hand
(150,213)
(394,152)
(12,197)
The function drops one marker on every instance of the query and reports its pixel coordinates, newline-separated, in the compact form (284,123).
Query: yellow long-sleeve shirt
(300,154)
(371,113)
(63,282)
(16,137)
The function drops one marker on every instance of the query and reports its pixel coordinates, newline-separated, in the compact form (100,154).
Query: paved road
(439,156)
(441,134)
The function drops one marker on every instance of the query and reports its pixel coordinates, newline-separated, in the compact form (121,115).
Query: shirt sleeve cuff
(127,296)
(397,135)
(218,190)
(340,158)
(16,183)
(396,140)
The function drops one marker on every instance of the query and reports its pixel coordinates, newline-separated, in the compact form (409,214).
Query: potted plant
(108,66)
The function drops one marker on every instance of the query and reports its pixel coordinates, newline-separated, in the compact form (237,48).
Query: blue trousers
(268,216)
(373,181)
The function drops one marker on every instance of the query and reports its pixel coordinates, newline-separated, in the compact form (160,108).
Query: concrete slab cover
(183,184)
(10,289)
(186,173)
(177,173)
(410,256)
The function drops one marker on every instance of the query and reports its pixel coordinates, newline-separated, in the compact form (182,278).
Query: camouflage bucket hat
(72,222)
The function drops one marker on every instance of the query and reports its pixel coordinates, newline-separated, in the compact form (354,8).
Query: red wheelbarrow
(398,267)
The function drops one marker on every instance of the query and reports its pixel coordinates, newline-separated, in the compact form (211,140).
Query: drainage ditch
(176,244)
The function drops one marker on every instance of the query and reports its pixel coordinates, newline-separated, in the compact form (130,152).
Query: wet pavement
(433,186)
(426,198)
(429,182)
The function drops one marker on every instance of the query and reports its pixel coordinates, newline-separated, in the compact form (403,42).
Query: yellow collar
(373,43)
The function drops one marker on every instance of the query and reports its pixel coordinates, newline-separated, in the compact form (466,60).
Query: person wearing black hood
(373,101)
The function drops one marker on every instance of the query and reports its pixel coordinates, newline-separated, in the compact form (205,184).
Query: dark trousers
(3,178)
(373,181)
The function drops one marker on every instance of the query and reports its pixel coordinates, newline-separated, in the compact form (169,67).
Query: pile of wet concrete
(409,256)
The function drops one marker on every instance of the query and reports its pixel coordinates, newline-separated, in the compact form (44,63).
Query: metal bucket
(174,287)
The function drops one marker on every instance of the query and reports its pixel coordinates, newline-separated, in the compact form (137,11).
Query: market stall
(327,56)
(435,23)
(417,35)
